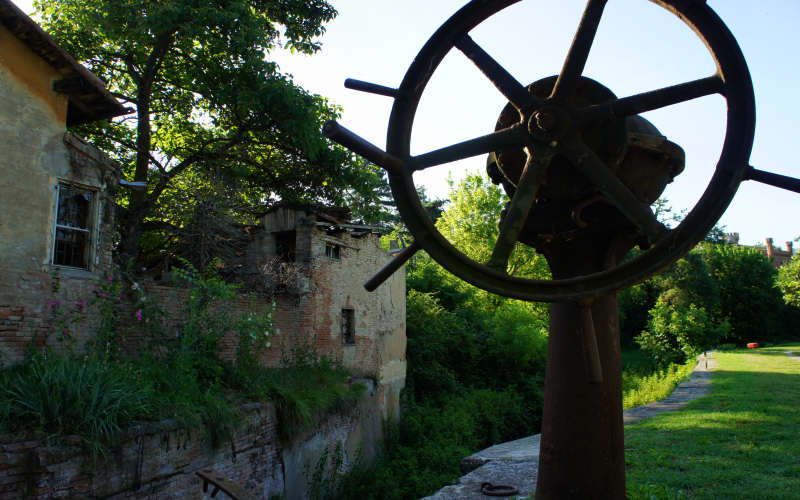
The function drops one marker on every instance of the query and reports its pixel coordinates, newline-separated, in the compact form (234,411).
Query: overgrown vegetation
(644,381)
(789,281)
(178,374)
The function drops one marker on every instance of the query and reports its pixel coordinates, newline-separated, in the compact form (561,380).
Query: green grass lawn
(740,441)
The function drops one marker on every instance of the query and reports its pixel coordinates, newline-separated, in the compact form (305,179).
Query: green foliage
(684,319)
(677,331)
(326,474)
(305,387)
(71,395)
(426,446)
(716,293)
(178,375)
(471,223)
(749,300)
(458,335)
(215,119)
(789,281)
(634,310)
(644,386)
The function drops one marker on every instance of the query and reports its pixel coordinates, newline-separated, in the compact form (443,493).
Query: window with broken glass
(348,326)
(73,233)
(333,251)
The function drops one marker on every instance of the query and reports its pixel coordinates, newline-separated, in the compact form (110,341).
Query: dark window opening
(333,251)
(285,245)
(348,326)
(73,227)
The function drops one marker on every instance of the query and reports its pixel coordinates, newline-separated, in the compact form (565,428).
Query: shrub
(749,300)
(70,395)
(677,331)
(179,375)
(634,306)
(425,448)
(789,281)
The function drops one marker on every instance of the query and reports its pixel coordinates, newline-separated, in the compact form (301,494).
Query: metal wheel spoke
(579,51)
(617,193)
(515,135)
(396,263)
(517,212)
(654,99)
(502,79)
(372,88)
(777,180)
(360,146)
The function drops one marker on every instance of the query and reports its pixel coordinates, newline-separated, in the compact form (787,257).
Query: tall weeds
(178,375)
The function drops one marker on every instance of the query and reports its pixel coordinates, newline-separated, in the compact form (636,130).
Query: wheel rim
(732,82)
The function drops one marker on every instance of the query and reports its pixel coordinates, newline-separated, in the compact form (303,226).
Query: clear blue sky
(639,47)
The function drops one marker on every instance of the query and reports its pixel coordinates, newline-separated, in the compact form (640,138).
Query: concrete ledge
(521,450)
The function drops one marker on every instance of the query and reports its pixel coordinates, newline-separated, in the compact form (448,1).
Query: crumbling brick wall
(336,258)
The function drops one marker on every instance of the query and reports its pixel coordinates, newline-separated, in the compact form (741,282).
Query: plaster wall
(35,155)
(33,73)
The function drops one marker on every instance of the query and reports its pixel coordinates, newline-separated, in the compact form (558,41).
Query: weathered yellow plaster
(33,72)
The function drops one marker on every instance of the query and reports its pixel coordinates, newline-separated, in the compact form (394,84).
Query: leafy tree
(789,281)
(210,107)
(634,304)
(677,331)
(749,299)
(669,217)
(684,319)
(692,282)
(471,222)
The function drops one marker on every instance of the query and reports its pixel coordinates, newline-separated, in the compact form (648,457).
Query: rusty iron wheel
(731,81)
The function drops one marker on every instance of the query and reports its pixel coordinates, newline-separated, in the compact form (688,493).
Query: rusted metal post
(582,452)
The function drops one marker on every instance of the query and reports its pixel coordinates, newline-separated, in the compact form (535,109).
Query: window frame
(333,251)
(89,231)
(348,319)
(286,245)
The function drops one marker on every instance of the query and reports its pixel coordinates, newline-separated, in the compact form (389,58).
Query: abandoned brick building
(55,211)
(327,259)
(57,227)
(57,217)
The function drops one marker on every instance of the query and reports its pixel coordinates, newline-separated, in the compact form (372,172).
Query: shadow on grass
(741,441)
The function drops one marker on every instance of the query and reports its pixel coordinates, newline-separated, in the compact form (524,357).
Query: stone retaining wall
(156,460)
(160,460)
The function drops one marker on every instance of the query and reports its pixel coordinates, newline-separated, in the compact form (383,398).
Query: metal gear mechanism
(557,127)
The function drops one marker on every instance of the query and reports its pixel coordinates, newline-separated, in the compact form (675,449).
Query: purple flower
(111,278)
(80,304)
(55,303)
(138,316)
